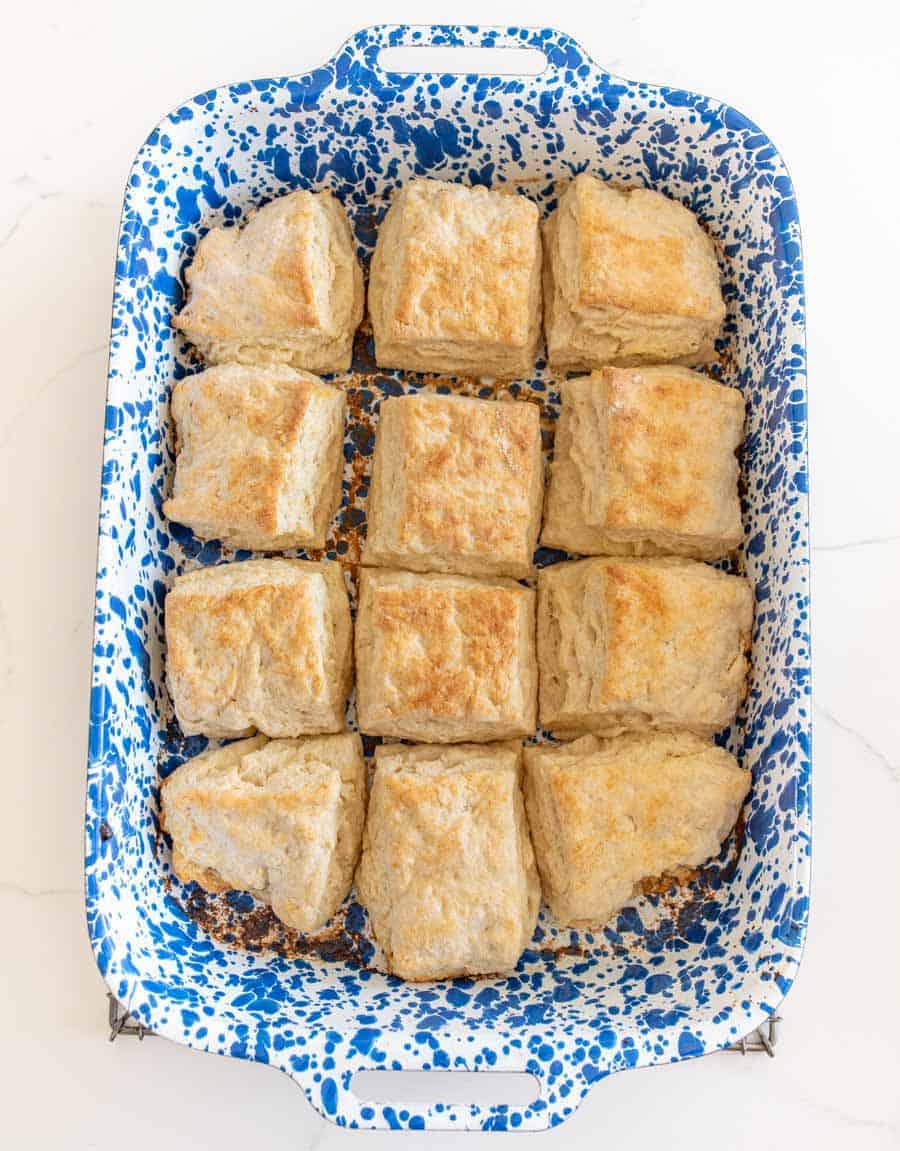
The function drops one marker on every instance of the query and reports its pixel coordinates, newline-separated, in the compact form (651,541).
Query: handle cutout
(454,1088)
(461,60)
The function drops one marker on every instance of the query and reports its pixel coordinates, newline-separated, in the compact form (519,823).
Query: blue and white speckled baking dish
(680,973)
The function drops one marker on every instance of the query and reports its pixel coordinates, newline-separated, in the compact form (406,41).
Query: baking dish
(682,972)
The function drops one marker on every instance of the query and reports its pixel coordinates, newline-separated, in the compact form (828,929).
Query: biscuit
(284,288)
(644,464)
(282,819)
(455,282)
(444,658)
(447,870)
(457,486)
(260,456)
(607,813)
(628,644)
(630,277)
(264,644)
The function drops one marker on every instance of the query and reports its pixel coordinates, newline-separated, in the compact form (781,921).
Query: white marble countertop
(82,85)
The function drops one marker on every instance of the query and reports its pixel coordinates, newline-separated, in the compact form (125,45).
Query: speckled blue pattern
(675,976)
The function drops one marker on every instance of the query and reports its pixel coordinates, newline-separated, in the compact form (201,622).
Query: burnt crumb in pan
(550,951)
(700,882)
(687,897)
(236,919)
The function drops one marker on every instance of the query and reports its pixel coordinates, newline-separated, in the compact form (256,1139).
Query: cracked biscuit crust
(457,486)
(644,463)
(260,456)
(282,819)
(635,644)
(284,288)
(607,813)
(630,277)
(447,871)
(444,658)
(455,284)
(262,645)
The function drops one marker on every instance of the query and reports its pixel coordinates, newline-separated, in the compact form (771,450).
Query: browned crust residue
(686,886)
(259,929)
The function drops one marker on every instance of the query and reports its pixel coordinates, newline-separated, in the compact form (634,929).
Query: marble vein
(892,769)
(321,1133)
(856,1120)
(875,540)
(50,380)
(23,212)
(39,892)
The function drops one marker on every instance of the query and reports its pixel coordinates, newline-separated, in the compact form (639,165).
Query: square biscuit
(455,283)
(457,486)
(628,644)
(644,464)
(264,644)
(444,658)
(630,277)
(281,819)
(284,288)
(606,814)
(447,871)
(260,456)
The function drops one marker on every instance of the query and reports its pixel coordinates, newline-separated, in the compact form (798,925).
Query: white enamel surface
(82,88)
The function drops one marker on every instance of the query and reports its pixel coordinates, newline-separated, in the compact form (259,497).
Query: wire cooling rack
(762,1041)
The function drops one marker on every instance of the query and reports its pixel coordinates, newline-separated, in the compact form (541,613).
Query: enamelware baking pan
(684,971)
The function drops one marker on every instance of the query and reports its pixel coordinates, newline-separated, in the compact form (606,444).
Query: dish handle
(388,55)
(391,1094)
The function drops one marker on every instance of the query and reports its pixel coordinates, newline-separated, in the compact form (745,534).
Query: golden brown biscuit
(630,277)
(606,814)
(260,456)
(284,288)
(264,644)
(455,283)
(281,819)
(443,658)
(635,644)
(644,464)
(457,486)
(447,870)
